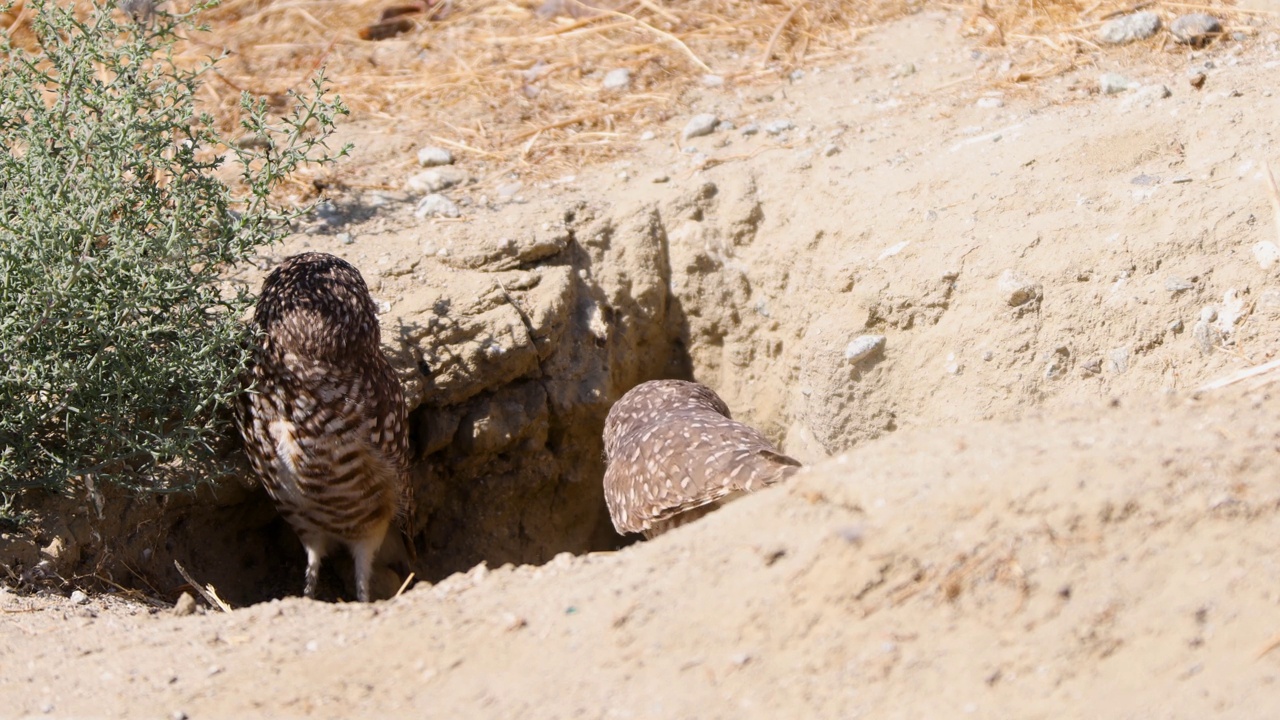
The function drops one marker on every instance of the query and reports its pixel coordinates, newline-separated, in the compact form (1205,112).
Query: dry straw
(518,85)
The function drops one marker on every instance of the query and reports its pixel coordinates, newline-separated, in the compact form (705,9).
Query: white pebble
(436,204)
(434,156)
(700,125)
(863,346)
(618,79)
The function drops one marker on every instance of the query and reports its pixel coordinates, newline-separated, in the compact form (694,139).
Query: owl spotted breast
(324,421)
(672,451)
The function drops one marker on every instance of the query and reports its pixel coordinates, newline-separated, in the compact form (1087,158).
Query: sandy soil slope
(1018,507)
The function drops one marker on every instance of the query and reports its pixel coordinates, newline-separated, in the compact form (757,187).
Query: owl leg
(362,552)
(317,548)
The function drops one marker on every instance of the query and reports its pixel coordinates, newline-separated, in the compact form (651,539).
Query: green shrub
(120,338)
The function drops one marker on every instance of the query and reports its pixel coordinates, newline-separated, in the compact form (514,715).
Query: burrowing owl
(672,451)
(324,424)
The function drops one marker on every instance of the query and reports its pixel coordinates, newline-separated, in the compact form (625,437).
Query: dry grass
(516,84)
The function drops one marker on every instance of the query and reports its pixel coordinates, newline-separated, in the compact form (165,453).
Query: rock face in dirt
(514,342)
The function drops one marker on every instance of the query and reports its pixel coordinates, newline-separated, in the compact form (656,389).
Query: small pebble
(1127,28)
(1058,362)
(990,103)
(661,179)
(436,204)
(777,127)
(700,125)
(1176,285)
(1017,289)
(1266,253)
(830,149)
(863,347)
(435,180)
(78,597)
(619,79)
(1196,29)
(508,191)
(186,605)
(1197,80)
(346,238)
(712,81)
(1147,95)
(1118,360)
(1112,83)
(647,135)
(434,157)
(751,129)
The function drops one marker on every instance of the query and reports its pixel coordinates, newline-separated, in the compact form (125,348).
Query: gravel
(78,597)
(434,157)
(435,205)
(1196,29)
(1127,28)
(700,125)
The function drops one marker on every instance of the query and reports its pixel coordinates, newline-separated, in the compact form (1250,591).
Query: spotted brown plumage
(672,450)
(324,420)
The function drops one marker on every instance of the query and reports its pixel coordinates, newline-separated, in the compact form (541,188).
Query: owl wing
(684,462)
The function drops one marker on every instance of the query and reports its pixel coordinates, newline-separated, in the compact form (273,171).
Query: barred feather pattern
(673,452)
(324,421)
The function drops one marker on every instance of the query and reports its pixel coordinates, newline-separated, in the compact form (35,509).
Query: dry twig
(209,594)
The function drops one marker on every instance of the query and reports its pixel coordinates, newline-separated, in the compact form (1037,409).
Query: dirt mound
(978,310)
(1109,564)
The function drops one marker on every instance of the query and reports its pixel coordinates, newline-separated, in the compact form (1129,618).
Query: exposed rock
(1127,28)
(1196,29)
(528,333)
(700,125)
(1113,83)
(436,204)
(186,605)
(435,180)
(863,347)
(1016,289)
(434,157)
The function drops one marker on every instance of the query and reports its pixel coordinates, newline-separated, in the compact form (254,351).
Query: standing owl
(673,453)
(324,421)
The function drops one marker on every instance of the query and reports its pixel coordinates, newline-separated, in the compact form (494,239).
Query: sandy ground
(1018,508)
